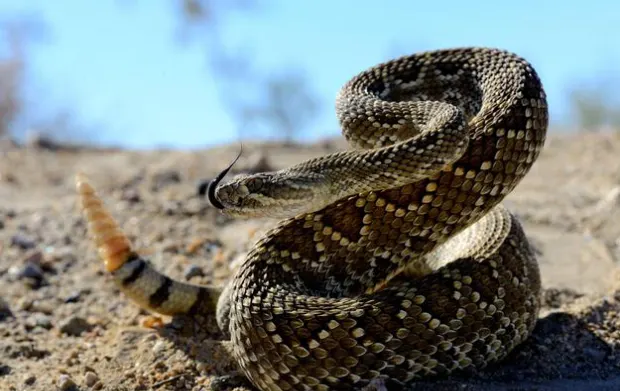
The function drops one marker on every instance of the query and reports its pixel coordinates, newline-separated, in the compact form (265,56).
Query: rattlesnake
(396,259)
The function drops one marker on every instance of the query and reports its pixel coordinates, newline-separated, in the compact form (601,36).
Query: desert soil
(64,325)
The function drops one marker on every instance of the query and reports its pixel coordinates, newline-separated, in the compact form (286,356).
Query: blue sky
(119,64)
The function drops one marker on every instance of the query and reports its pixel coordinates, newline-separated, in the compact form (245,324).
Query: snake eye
(255,184)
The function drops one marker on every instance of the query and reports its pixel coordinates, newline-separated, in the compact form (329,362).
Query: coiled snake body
(396,260)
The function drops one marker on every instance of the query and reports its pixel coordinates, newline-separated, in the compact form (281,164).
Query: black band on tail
(136,272)
(161,294)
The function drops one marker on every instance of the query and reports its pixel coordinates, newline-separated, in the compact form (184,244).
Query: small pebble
(30,379)
(45,307)
(23,242)
(40,320)
(90,378)
(131,195)
(202,367)
(74,297)
(193,271)
(31,272)
(5,310)
(159,346)
(4,370)
(65,383)
(24,304)
(74,325)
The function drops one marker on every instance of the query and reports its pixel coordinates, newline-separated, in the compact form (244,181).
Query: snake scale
(394,259)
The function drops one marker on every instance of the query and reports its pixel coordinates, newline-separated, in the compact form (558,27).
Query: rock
(159,346)
(31,272)
(5,310)
(23,242)
(4,370)
(65,383)
(30,380)
(74,326)
(24,303)
(193,271)
(43,306)
(33,276)
(39,320)
(90,378)
(74,297)
(131,195)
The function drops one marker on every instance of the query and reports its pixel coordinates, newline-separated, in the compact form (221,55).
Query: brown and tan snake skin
(396,259)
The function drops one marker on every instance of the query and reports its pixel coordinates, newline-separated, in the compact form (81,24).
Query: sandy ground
(64,325)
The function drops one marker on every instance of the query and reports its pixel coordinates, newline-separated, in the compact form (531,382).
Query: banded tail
(134,275)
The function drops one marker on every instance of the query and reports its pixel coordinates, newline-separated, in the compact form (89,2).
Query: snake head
(270,194)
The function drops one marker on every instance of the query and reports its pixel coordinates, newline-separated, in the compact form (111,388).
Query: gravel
(64,325)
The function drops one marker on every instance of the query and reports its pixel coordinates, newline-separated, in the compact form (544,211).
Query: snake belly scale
(395,259)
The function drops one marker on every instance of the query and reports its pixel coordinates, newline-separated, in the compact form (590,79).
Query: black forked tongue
(210,190)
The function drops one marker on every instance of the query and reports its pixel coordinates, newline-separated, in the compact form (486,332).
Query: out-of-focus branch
(282,102)
(11,77)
